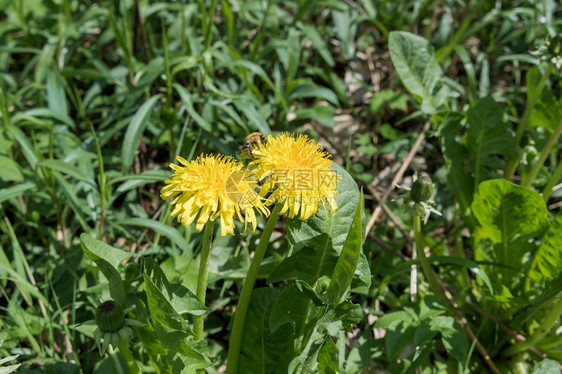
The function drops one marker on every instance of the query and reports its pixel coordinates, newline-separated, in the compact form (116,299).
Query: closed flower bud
(422,189)
(109,317)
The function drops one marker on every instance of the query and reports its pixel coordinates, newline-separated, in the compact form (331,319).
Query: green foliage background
(98,97)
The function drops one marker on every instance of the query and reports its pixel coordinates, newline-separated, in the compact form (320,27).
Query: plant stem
(199,321)
(101,180)
(552,182)
(235,341)
(128,356)
(512,165)
(529,178)
(428,270)
(547,323)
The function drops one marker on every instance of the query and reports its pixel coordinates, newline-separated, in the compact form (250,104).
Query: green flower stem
(235,340)
(552,182)
(529,178)
(199,321)
(512,165)
(426,266)
(128,356)
(549,320)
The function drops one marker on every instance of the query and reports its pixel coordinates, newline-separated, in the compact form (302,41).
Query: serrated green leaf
(328,358)
(461,184)
(307,263)
(132,137)
(398,335)
(547,110)
(172,329)
(414,61)
(348,259)
(329,324)
(108,260)
(506,211)
(263,350)
(289,308)
(487,136)
(325,228)
(547,260)
(452,336)
(179,296)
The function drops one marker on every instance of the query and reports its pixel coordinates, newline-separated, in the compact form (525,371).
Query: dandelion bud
(109,317)
(422,189)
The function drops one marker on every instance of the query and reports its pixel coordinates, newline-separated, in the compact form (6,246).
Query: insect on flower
(253,141)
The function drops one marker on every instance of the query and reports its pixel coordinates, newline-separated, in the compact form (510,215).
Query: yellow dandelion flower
(297,173)
(212,187)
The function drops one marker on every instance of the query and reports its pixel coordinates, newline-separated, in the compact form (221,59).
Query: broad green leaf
(10,170)
(394,100)
(15,191)
(318,43)
(49,113)
(253,116)
(169,231)
(488,135)
(360,355)
(324,114)
(506,211)
(307,263)
(26,288)
(179,296)
(187,102)
(328,358)
(134,131)
(398,335)
(348,258)
(172,329)
(69,169)
(329,324)
(153,175)
(461,184)
(309,89)
(471,265)
(452,336)
(108,260)
(26,147)
(75,203)
(289,308)
(389,318)
(548,258)
(547,366)
(263,350)
(325,228)
(55,93)
(10,368)
(547,111)
(414,61)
